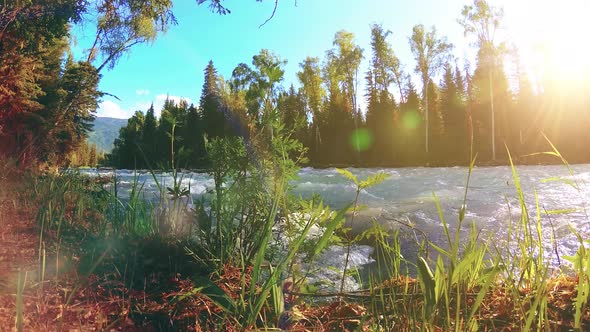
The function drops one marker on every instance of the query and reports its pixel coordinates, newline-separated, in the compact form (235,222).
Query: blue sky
(173,65)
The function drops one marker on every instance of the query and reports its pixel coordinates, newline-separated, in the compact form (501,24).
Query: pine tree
(454,115)
(210,105)
(340,75)
(435,121)
(292,110)
(149,136)
(193,134)
(410,127)
(490,126)
(125,152)
(381,104)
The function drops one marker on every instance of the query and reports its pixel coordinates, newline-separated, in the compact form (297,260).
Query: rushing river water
(407,195)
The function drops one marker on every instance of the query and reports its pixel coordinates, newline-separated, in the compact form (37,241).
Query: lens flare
(361,139)
(411,120)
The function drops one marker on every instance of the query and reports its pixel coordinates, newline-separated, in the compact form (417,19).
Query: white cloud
(161,98)
(109,108)
(142,92)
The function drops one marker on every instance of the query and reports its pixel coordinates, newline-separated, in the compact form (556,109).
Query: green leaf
(440,276)
(571,259)
(331,226)
(428,283)
(563,211)
(441,250)
(209,289)
(560,179)
(374,180)
(462,212)
(347,174)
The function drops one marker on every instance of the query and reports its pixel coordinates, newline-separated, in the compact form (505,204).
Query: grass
(228,272)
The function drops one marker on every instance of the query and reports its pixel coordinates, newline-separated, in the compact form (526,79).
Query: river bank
(149,283)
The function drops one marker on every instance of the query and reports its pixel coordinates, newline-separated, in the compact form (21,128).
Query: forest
(444,124)
(49,99)
(153,246)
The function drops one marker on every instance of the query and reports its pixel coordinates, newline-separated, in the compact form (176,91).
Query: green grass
(470,285)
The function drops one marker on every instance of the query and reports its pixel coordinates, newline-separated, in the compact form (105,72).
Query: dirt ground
(46,306)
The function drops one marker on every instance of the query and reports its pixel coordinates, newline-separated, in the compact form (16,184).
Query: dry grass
(106,301)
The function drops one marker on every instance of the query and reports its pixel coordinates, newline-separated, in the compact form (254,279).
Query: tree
(345,59)
(381,107)
(43,107)
(260,86)
(436,122)
(217,6)
(69,120)
(125,152)
(49,111)
(92,156)
(314,94)
(149,136)
(193,137)
(30,71)
(454,113)
(486,125)
(213,117)
(269,74)
(293,114)
(340,76)
(409,125)
(430,54)
(125,23)
(482,21)
(173,118)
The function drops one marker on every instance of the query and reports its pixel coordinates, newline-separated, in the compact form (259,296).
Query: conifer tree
(454,114)
(410,128)
(125,152)
(487,78)
(193,138)
(381,104)
(294,117)
(210,104)
(436,125)
(149,136)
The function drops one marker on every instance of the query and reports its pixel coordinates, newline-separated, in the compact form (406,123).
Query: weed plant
(250,225)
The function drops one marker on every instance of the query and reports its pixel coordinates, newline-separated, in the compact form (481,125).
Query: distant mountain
(104,133)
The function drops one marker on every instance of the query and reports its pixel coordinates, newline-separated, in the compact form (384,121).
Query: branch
(111,95)
(117,52)
(271,15)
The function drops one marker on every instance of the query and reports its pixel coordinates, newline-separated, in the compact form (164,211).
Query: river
(408,195)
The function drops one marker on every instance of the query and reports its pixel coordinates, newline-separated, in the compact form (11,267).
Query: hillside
(105,131)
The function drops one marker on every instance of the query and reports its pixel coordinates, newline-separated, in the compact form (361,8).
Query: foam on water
(491,202)
(330,265)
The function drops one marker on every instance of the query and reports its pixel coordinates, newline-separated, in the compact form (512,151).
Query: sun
(552,37)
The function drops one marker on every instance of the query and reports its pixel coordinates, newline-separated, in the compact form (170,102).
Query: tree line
(458,112)
(48,98)
(86,155)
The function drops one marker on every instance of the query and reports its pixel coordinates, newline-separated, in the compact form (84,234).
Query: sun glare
(551,37)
